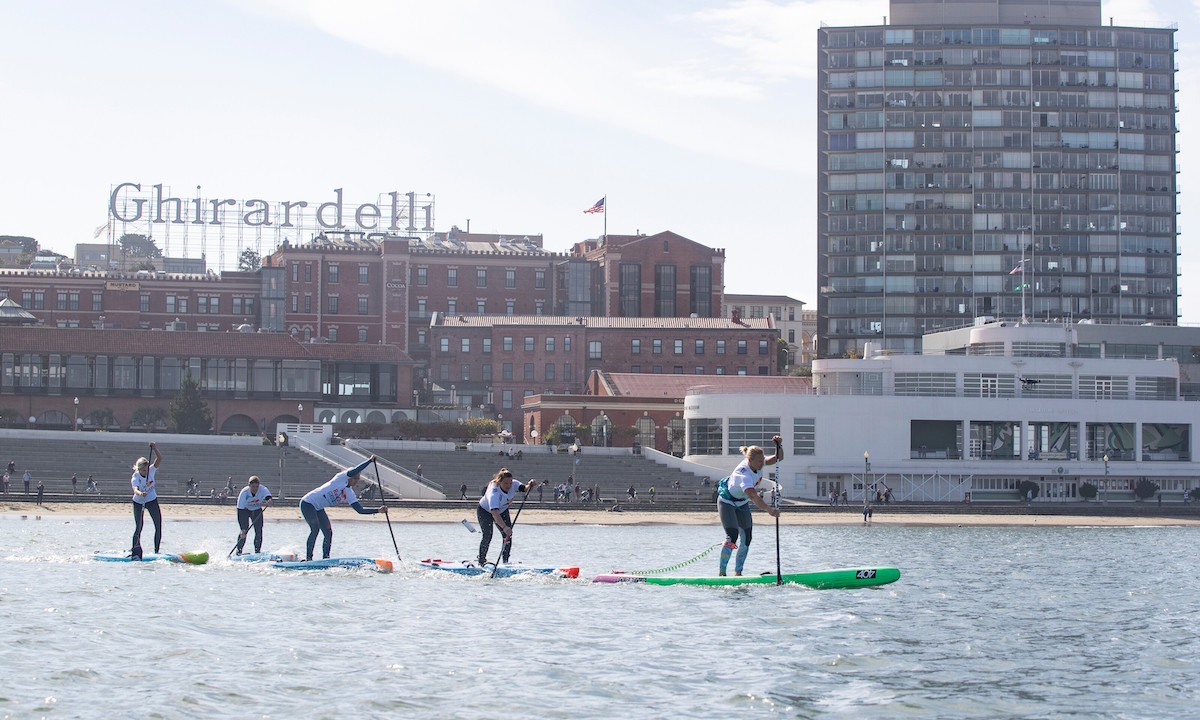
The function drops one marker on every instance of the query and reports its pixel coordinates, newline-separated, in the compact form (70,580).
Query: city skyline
(690,117)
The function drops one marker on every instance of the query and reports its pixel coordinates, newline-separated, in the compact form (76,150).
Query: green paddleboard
(841,578)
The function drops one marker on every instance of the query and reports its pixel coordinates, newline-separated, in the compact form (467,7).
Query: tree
(249,261)
(1145,489)
(1029,487)
(139,246)
(148,416)
(1087,491)
(189,413)
(143,265)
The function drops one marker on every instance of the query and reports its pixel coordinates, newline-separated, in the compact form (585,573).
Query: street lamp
(76,414)
(866,470)
(1105,498)
(300,412)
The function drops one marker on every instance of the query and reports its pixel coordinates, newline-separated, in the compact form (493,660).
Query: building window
(202,305)
(295,272)
(506,399)
(481,307)
(506,371)
(487,345)
(720,347)
(741,347)
(751,431)
(237,306)
(699,347)
(678,347)
(664,290)
(566,372)
(362,335)
(307,272)
(308,304)
(539,307)
(804,436)
(705,437)
(481,277)
(486,372)
(656,347)
(421,308)
(465,345)
(295,303)
(332,333)
(720,370)
(420,337)
(528,371)
(635,347)
(701,291)
(677,370)
(567,344)
(629,289)
(635,368)
(422,276)
(549,344)
(214,305)
(144,303)
(364,274)
(466,372)
(510,278)
(98,302)
(506,343)
(170,304)
(762,347)
(510,307)
(333,274)
(528,344)
(444,344)
(362,306)
(451,277)
(333,305)
(539,279)
(594,350)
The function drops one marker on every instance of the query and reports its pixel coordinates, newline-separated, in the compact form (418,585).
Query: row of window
(1132,39)
(331,304)
(423,310)
(331,333)
(706,435)
(421,277)
(656,347)
(332,273)
(173,304)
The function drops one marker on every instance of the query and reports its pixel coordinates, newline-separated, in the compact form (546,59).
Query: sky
(693,116)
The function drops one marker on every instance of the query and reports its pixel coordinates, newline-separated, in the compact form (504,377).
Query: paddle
(778,479)
(383,503)
(496,565)
(243,534)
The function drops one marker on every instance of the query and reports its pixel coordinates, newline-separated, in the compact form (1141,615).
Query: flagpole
(1022,276)
(605,218)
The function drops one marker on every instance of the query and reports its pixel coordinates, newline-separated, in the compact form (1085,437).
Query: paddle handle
(496,565)
(383,503)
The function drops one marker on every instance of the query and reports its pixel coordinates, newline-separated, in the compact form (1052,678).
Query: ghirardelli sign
(129,203)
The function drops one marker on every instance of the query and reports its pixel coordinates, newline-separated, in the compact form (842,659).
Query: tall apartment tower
(999,158)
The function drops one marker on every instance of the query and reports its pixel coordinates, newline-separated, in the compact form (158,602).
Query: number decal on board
(865,574)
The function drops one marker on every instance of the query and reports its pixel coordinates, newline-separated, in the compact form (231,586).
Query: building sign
(129,203)
(122,286)
(395,285)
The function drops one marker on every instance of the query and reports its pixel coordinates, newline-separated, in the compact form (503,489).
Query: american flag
(597,208)
(1018,268)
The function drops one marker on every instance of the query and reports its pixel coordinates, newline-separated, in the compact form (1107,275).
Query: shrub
(1029,486)
(1088,491)
(1145,489)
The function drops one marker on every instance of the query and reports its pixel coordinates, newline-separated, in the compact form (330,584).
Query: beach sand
(539,516)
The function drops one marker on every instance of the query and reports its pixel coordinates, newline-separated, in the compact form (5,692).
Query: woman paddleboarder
(339,489)
(493,510)
(251,502)
(734,495)
(145,499)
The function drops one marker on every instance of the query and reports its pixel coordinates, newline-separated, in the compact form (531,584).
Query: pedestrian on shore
(867,512)
(145,499)
(4,480)
(74,483)
(541,488)
(339,489)
(27,477)
(41,491)
(493,512)
(251,503)
(462,491)
(735,494)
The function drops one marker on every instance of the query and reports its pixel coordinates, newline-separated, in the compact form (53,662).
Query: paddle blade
(468,525)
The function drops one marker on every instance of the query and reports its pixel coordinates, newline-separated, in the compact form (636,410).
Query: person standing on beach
(4,480)
(867,512)
(493,511)
(74,483)
(251,502)
(734,496)
(41,490)
(339,489)
(145,499)
(27,478)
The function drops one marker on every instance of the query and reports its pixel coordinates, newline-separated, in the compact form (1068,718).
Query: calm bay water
(984,623)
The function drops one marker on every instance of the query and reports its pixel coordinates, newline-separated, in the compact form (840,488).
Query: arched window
(675,436)
(646,428)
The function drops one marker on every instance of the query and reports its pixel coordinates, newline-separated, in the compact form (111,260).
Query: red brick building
(500,360)
(249,380)
(660,275)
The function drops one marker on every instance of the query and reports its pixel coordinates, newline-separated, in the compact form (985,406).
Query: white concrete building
(986,408)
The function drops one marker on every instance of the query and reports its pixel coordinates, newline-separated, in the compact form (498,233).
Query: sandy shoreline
(536,516)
